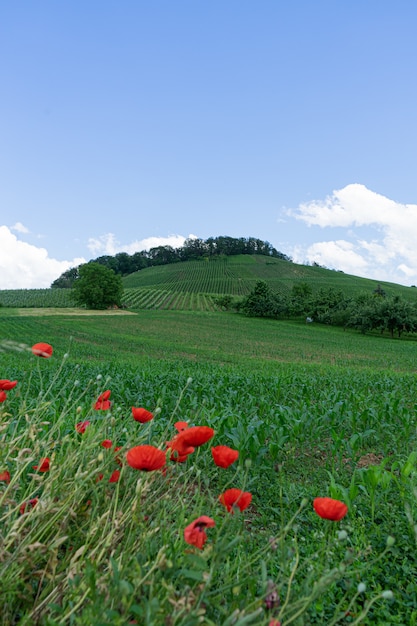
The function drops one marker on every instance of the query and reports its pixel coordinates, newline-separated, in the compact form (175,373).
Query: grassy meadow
(313,411)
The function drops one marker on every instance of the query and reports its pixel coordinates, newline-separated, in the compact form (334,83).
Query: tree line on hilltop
(192,249)
(368,311)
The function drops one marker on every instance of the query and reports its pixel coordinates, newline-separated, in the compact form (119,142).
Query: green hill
(193,285)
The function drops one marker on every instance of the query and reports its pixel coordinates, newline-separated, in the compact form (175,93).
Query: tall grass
(98,552)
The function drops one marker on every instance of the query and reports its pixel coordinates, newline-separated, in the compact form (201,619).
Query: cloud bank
(108,244)
(25,266)
(387,250)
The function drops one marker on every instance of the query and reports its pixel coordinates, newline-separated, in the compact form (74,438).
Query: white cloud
(108,244)
(24,266)
(390,252)
(19,228)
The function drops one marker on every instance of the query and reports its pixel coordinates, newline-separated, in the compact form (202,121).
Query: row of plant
(164,299)
(85,536)
(36,298)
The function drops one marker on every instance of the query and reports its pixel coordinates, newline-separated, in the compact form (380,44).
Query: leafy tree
(67,279)
(384,313)
(98,287)
(300,298)
(329,306)
(263,302)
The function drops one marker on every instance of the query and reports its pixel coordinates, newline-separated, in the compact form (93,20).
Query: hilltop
(194,284)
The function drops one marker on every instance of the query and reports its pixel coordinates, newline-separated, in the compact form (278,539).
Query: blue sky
(129,124)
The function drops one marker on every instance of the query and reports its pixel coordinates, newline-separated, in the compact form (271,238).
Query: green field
(194,285)
(312,410)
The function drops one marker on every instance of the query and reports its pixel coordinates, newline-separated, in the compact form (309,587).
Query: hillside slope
(182,285)
(193,285)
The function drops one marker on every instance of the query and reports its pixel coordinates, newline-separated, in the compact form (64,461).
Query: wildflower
(330,509)
(29,504)
(103,403)
(107,443)
(387,594)
(3,396)
(179,457)
(179,448)
(146,458)
(235,498)
(194,533)
(99,477)
(81,427)
(115,476)
(42,349)
(181,426)
(195,436)
(43,466)
(6,385)
(141,415)
(5,477)
(274,622)
(361,588)
(224,456)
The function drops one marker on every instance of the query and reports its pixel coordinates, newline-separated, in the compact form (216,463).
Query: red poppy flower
(146,458)
(3,396)
(274,622)
(43,466)
(5,476)
(195,436)
(103,403)
(178,447)
(6,385)
(115,476)
(194,533)
(181,426)
(331,509)
(42,349)
(235,497)
(224,456)
(99,477)
(107,443)
(180,458)
(81,427)
(141,415)
(29,504)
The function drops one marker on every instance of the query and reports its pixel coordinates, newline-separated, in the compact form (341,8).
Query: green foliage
(300,298)
(97,287)
(67,279)
(92,551)
(37,298)
(263,302)
(384,313)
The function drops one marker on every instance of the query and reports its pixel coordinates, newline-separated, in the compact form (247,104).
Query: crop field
(237,275)
(36,298)
(194,285)
(313,412)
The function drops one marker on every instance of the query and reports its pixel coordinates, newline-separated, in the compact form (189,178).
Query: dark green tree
(263,302)
(300,298)
(67,279)
(329,306)
(98,287)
